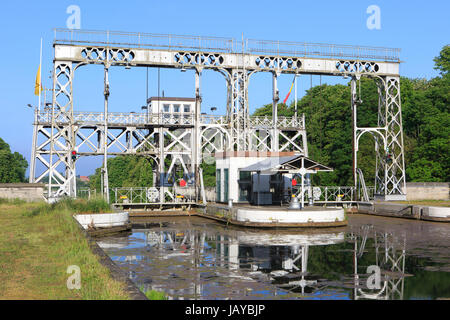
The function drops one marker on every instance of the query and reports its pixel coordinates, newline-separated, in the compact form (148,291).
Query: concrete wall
(427,191)
(24,191)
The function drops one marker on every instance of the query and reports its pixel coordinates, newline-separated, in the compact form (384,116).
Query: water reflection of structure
(196,262)
(279,260)
(288,257)
(389,257)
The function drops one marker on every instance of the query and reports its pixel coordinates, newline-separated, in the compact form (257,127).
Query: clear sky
(419,28)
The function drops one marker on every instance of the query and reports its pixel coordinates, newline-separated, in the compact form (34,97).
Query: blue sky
(419,28)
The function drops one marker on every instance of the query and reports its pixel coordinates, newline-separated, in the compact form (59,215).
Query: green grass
(38,242)
(12,201)
(153,294)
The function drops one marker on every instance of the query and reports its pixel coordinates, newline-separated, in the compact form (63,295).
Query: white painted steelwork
(184,141)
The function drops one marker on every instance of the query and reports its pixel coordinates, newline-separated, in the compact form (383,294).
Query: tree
(12,165)
(443,61)
(126,171)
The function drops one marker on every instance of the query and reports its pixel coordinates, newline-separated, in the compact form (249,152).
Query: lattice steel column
(380,169)
(395,167)
(239,110)
(390,182)
(62,138)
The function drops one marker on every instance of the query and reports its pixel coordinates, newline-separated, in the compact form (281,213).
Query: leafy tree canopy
(12,165)
(443,60)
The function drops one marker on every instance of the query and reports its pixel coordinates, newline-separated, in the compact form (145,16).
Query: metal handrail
(303,49)
(45,116)
(221,44)
(143,40)
(336,193)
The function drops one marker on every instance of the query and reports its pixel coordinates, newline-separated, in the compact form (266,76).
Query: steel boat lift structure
(61,129)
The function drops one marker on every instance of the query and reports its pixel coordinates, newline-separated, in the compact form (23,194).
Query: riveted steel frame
(188,140)
(390,177)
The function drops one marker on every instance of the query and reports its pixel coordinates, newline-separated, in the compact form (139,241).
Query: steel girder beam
(172,58)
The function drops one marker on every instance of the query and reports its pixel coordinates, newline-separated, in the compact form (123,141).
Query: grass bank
(38,242)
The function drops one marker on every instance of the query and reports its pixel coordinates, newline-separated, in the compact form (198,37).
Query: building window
(166,108)
(245,180)
(187,108)
(176,108)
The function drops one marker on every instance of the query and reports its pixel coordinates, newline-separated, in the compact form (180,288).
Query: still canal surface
(195,258)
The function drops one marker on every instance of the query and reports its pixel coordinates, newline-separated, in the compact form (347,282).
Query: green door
(218,180)
(225,189)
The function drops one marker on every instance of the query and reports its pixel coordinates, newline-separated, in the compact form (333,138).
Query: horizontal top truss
(220,44)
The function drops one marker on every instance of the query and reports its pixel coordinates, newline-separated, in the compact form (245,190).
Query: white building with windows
(261,178)
(171,106)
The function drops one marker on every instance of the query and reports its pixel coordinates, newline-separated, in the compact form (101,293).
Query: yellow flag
(38,83)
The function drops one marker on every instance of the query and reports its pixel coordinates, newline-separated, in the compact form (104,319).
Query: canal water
(371,258)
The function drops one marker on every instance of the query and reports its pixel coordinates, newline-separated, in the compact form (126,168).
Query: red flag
(289,93)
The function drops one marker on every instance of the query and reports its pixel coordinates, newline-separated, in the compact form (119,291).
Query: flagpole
(40,78)
(295,97)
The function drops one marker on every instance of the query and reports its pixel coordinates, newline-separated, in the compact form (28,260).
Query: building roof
(286,164)
(171,99)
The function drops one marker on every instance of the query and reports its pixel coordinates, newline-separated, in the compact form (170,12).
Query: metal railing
(121,118)
(143,40)
(303,49)
(334,194)
(282,122)
(132,118)
(86,193)
(221,44)
(151,195)
(213,119)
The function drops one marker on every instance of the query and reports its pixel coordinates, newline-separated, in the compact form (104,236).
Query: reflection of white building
(249,259)
(293,253)
(172,106)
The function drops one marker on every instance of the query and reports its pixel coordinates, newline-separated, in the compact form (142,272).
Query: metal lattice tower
(187,141)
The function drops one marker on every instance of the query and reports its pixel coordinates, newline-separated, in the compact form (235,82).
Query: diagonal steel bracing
(59,131)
